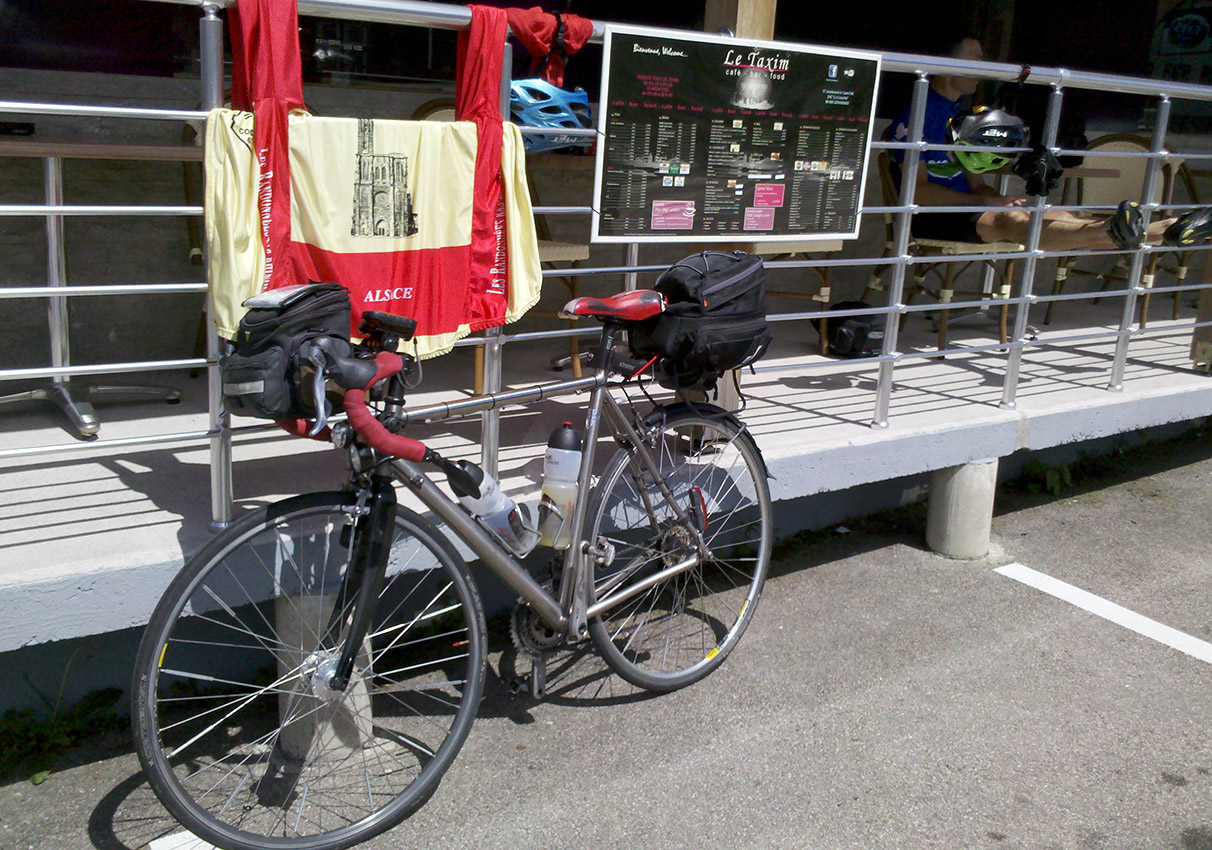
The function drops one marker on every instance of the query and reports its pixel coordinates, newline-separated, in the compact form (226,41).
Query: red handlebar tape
(371,429)
(300,427)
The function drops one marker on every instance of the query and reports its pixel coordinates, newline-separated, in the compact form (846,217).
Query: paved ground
(883,698)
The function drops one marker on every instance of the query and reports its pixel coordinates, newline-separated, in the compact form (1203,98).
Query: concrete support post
(960,513)
(318,726)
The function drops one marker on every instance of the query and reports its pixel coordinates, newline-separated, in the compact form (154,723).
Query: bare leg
(1156,228)
(1061,230)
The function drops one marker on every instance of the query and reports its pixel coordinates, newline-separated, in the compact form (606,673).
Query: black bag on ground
(263,377)
(854,336)
(715,319)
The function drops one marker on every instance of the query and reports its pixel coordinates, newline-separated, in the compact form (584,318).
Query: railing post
(56,266)
(1022,310)
(490,426)
(632,260)
(1156,148)
(896,289)
(210,44)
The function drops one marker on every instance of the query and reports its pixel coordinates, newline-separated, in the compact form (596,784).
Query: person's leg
(952,227)
(1061,230)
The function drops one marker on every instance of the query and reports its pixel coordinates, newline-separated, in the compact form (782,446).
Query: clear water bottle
(483,498)
(561,466)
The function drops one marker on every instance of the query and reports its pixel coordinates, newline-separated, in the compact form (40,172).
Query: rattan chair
(1108,192)
(946,272)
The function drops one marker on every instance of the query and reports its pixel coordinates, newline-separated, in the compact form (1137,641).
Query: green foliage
(31,744)
(1041,478)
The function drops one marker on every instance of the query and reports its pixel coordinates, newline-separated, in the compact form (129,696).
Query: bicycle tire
(679,629)
(237,734)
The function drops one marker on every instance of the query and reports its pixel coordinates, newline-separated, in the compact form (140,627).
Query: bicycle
(310,674)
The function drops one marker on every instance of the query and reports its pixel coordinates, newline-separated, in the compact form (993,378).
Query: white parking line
(1117,614)
(180,841)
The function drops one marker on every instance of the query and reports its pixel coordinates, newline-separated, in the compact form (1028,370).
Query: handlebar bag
(263,376)
(714,321)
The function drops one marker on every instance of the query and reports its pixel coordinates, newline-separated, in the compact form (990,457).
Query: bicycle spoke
(261,638)
(228,610)
(259,691)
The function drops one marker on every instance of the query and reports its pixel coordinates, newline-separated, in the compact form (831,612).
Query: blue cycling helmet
(537,103)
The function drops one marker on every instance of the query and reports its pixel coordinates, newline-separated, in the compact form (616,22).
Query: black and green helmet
(988,128)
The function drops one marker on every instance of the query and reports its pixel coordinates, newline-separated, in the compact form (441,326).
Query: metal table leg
(81,413)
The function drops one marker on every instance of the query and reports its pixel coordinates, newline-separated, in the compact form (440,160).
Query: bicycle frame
(570,613)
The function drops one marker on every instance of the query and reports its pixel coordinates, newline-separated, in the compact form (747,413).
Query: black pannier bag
(715,319)
(263,377)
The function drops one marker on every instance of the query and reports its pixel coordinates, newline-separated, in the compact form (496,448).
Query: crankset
(534,639)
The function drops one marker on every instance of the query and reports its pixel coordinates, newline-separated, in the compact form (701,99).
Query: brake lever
(318,381)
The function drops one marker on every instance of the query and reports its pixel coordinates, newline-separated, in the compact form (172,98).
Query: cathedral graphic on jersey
(382,204)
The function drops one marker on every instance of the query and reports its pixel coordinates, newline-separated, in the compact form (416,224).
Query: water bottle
(483,498)
(561,466)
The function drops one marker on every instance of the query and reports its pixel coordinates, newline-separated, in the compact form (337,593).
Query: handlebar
(371,429)
(330,358)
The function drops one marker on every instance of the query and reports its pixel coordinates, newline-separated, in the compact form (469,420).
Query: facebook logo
(833,72)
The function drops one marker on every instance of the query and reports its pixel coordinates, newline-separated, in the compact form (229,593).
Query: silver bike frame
(568,615)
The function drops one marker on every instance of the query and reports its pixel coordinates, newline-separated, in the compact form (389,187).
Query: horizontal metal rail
(102,369)
(562,131)
(563,210)
(492,401)
(84,111)
(90,150)
(103,445)
(61,209)
(71,291)
(1040,341)
(409,12)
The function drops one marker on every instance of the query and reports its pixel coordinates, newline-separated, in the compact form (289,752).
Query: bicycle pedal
(517,684)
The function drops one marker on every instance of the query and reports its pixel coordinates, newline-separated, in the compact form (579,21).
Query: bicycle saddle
(625,306)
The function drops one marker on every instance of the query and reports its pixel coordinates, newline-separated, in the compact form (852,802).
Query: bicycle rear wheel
(238,733)
(668,625)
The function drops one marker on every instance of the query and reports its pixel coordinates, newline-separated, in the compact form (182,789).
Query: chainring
(530,634)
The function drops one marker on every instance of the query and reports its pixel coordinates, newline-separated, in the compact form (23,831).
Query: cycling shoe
(1192,228)
(1127,226)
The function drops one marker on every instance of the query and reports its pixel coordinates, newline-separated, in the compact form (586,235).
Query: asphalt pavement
(884,697)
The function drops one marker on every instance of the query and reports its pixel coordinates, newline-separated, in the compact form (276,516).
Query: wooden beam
(746,18)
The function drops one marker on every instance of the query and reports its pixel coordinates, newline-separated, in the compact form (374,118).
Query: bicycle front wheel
(239,734)
(669,616)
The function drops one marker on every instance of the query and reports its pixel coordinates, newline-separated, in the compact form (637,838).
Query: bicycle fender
(702,408)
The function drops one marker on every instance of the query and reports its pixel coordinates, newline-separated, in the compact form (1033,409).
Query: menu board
(717,139)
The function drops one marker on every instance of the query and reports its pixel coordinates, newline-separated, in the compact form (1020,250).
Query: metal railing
(901,261)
